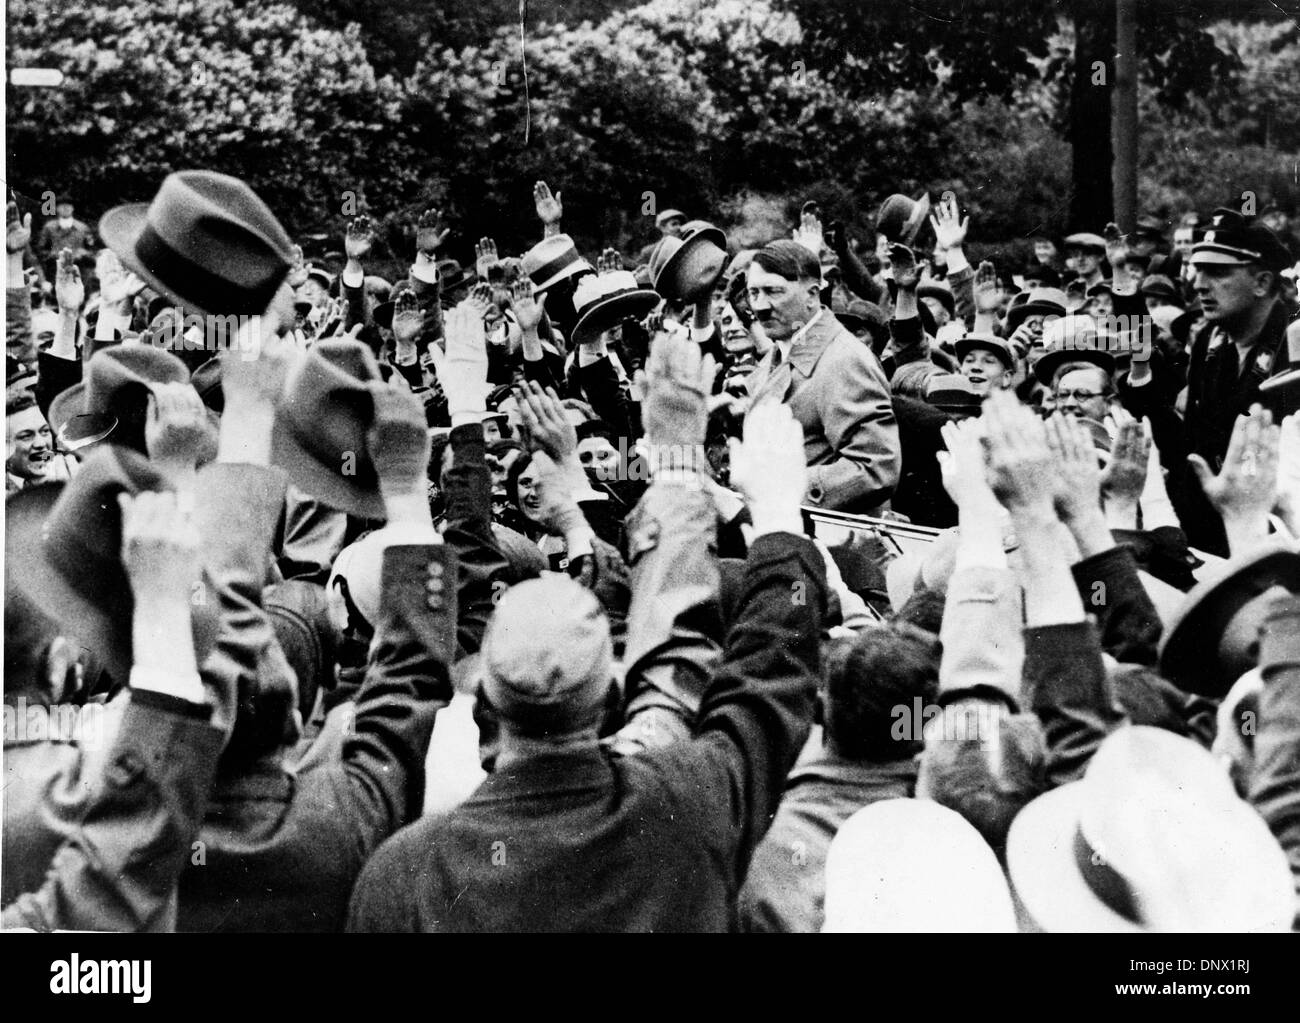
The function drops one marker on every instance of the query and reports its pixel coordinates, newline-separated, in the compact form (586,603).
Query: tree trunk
(1090,106)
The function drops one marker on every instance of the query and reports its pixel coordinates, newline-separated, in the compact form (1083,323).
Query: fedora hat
(603,301)
(1072,338)
(941,294)
(63,545)
(452,275)
(914,866)
(206,241)
(552,260)
(953,393)
(667,215)
(1192,654)
(683,269)
(900,218)
(971,341)
(117,379)
(319,437)
(1039,302)
(1152,838)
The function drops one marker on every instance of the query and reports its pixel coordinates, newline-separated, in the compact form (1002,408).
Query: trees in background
(730,107)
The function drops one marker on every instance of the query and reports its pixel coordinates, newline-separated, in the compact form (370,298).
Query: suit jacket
(582,839)
(281,848)
(123,835)
(786,887)
(837,390)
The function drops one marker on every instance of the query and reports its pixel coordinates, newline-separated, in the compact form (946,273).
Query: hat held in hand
(206,241)
(320,430)
(685,269)
(63,550)
(900,218)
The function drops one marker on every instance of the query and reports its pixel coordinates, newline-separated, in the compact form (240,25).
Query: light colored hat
(913,866)
(552,260)
(603,301)
(547,659)
(1153,838)
(667,215)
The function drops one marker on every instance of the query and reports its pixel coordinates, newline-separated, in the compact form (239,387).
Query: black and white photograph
(654,466)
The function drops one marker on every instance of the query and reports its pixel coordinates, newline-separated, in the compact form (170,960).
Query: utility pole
(1124,116)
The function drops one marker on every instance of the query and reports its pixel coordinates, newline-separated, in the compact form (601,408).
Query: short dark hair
(20,402)
(787,258)
(869,676)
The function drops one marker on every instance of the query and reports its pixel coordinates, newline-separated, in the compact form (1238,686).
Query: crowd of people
(567,593)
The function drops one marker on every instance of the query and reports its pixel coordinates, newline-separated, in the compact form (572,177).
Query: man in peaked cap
(1237,279)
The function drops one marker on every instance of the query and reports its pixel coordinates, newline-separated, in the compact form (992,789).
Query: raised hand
(359,239)
(398,443)
(176,433)
(1077,475)
(550,210)
(769,469)
(160,548)
(463,367)
(949,228)
(903,261)
(675,407)
(408,318)
(480,298)
(528,308)
(68,288)
(545,423)
(609,261)
(1245,489)
(485,257)
(965,474)
(19,232)
(1125,476)
(428,239)
(1020,467)
(558,492)
(809,233)
(989,292)
(297,268)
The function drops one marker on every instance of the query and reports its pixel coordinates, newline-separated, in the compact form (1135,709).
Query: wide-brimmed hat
(1190,654)
(940,293)
(1072,338)
(320,429)
(552,260)
(116,378)
(603,301)
(206,241)
(1040,302)
(452,275)
(1087,241)
(900,218)
(683,269)
(973,340)
(63,547)
(1153,838)
(914,866)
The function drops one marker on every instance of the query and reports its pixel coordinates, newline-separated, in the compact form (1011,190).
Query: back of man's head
(547,661)
(985,763)
(874,682)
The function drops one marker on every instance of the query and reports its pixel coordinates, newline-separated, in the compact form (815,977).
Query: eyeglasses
(1078,395)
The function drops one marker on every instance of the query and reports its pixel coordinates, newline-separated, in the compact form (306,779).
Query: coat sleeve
(674,627)
(407,682)
(1065,684)
(1275,783)
(118,869)
(858,419)
(983,649)
(754,717)
(483,569)
(1126,618)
